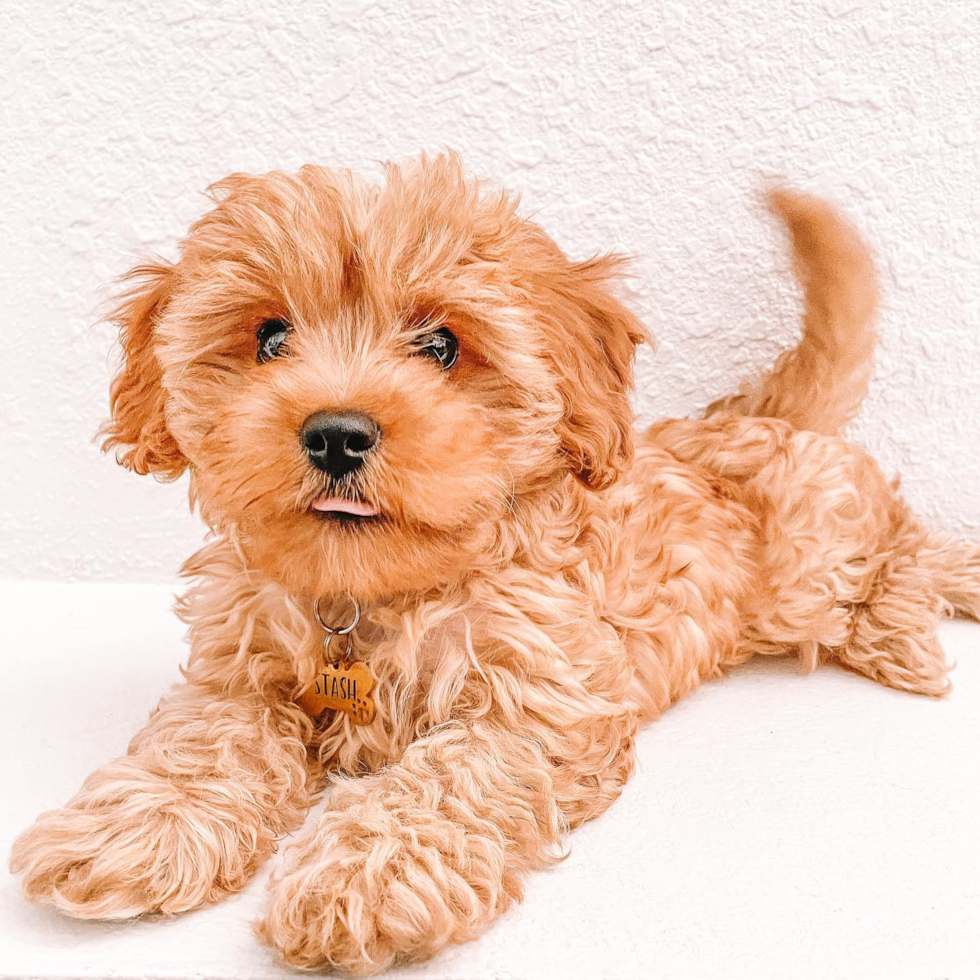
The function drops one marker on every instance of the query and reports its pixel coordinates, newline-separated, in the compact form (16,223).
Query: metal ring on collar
(338,630)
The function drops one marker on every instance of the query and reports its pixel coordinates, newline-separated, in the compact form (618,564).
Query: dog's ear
(137,399)
(593,346)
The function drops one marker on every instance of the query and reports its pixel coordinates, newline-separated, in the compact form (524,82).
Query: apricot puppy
(404,401)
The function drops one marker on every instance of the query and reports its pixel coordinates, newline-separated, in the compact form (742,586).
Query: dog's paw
(131,850)
(378,884)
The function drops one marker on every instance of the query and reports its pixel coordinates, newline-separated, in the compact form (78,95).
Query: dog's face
(369,384)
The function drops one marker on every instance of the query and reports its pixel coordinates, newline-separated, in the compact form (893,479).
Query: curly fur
(544,581)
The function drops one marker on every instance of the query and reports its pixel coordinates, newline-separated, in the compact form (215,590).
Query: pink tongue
(337,505)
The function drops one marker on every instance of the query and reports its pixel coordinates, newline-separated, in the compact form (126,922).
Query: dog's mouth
(344,510)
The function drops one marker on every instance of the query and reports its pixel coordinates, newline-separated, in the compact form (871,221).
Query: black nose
(337,442)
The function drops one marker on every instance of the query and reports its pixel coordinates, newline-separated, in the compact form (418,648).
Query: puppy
(446,578)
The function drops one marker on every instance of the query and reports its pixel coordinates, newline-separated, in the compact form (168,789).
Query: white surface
(778,826)
(641,126)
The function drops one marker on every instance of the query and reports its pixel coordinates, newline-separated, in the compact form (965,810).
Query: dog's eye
(272,340)
(441,345)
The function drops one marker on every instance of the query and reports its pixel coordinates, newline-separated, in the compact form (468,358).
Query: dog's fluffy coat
(543,581)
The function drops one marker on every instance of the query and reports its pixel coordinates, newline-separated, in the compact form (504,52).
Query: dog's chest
(419,680)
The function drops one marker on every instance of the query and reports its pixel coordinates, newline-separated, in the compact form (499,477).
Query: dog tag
(344,686)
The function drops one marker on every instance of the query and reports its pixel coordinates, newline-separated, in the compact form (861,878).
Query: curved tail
(820,384)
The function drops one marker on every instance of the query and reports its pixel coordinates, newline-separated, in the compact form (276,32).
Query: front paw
(123,848)
(378,883)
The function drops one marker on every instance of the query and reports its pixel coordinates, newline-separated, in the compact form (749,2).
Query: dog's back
(841,566)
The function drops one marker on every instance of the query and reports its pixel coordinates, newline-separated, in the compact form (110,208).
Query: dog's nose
(337,442)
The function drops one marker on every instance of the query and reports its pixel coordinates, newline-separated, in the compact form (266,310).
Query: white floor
(779,826)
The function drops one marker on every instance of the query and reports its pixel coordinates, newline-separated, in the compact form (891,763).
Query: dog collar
(343,683)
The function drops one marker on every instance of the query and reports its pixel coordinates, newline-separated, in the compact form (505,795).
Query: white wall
(643,127)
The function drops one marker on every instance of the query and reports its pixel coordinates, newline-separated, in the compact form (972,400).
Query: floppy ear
(136,396)
(594,343)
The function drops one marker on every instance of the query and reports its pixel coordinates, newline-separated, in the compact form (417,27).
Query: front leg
(183,818)
(429,851)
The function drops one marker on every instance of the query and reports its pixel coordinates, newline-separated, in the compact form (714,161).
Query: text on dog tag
(341,687)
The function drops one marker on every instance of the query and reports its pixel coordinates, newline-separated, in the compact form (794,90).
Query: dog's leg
(429,850)
(184,818)
(848,573)
(956,572)
(894,630)
(894,637)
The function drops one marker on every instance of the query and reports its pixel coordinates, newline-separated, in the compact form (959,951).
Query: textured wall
(645,127)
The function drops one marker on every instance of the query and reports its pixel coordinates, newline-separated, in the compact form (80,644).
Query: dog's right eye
(271,338)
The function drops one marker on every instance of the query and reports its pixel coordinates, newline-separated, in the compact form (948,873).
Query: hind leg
(956,572)
(894,627)
(894,630)
(848,574)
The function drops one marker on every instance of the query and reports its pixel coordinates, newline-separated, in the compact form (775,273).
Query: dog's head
(366,382)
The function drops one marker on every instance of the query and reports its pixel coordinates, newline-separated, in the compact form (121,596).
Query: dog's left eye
(441,345)
(271,337)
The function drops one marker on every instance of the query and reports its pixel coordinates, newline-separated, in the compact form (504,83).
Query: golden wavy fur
(542,582)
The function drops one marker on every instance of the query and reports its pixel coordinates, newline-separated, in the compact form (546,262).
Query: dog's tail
(820,384)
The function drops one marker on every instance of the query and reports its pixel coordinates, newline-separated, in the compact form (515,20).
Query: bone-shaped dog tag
(341,687)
